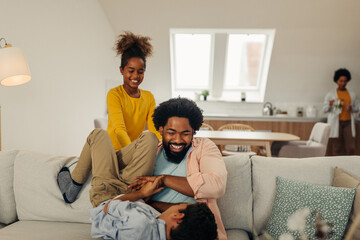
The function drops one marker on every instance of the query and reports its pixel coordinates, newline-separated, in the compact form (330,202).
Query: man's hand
(142,180)
(151,188)
(179,184)
(331,102)
(147,190)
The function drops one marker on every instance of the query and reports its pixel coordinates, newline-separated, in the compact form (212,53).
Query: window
(226,62)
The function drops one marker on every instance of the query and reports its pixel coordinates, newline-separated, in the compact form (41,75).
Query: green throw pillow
(334,204)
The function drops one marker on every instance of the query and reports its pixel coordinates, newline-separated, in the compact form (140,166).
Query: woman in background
(130,107)
(341,105)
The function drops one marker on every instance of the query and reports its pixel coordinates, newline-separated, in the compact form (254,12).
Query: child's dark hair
(178,107)
(342,72)
(130,45)
(197,224)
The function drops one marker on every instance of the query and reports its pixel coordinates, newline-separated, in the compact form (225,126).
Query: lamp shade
(14,69)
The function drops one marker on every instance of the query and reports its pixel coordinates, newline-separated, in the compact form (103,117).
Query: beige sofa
(31,205)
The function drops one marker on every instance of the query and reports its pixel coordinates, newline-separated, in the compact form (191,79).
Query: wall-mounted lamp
(14,69)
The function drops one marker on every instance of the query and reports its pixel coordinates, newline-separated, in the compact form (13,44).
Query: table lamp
(14,69)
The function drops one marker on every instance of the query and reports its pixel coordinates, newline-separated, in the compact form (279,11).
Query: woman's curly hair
(342,72)
(178,107)
(130,45)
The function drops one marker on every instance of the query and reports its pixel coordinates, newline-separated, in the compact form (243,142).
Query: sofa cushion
(344,179)
(235,205)
(235,234)
(7,198)
(333,203)
(35,230)
(37,193)
(317,170)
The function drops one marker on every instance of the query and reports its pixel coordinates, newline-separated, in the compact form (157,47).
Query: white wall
(68,45)
(313,39)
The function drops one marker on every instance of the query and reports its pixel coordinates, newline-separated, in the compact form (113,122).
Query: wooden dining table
(254,138)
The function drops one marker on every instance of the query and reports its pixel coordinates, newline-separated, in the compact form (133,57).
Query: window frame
(216,86)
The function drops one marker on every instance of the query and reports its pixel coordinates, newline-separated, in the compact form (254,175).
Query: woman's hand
(331,102)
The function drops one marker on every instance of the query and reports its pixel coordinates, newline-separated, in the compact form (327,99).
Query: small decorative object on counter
(197,96)
(243,96)
(205,93)
(268,109)
(311,112)
(300,112)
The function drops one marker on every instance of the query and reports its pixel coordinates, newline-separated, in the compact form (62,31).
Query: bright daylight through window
(227,62)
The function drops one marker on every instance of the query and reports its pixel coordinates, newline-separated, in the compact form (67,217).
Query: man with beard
(191,169)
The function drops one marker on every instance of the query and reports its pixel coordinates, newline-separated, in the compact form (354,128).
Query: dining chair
(227,150)
(314,147)
(207,127)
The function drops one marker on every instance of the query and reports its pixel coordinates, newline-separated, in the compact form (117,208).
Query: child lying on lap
(129,217)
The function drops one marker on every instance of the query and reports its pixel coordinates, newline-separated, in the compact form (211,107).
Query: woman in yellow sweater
(129,107)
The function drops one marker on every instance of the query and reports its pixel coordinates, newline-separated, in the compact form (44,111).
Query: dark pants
(345,143)
(276,146)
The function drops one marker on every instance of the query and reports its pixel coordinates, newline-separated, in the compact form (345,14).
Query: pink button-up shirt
(206,174)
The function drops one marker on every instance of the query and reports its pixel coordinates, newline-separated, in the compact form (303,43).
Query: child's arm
(161,206)
(149,189)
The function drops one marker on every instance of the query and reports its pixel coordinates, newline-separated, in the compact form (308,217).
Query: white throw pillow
(7,198)
(37,193)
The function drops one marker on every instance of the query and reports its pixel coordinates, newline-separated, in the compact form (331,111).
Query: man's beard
(175,157)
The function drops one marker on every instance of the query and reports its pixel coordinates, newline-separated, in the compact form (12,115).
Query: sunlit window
(225,62)
(192,60)
(244,54)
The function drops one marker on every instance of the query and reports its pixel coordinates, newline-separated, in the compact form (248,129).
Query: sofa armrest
(301,151)
(8,212)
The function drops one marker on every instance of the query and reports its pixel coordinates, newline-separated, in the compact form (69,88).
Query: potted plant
(205,93)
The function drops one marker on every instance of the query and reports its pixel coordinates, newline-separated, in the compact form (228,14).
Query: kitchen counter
(276,118)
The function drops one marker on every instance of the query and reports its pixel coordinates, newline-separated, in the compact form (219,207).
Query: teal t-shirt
(163,166)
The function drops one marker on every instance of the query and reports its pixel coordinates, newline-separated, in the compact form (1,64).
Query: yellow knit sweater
(127,116)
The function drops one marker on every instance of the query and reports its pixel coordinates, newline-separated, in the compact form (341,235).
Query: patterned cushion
(333,203)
